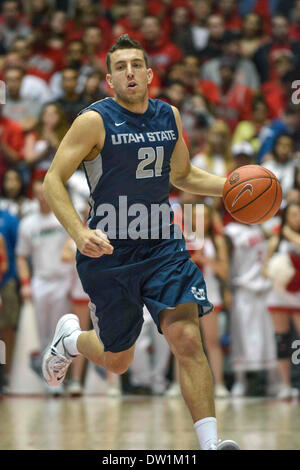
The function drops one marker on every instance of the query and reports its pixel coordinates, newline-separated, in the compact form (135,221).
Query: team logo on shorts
(199,294)
(234,178)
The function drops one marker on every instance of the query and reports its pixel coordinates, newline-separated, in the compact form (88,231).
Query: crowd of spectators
(230,67)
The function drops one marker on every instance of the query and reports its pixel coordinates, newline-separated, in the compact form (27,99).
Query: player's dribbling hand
(93,243)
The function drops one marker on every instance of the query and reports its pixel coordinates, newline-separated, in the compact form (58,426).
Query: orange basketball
(252,194)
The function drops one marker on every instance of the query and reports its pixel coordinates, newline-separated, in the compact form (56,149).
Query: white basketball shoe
(56,359)
(225,445)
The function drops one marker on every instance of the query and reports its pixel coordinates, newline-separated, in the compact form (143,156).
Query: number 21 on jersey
(148,155)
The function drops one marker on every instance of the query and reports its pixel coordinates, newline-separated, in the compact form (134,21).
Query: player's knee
(283,343)
(119,365)
(119,368)
(185,340)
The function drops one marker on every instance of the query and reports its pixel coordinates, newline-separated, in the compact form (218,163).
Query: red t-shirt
(12,134)
(45,62)
(275,98)
(162,55)
(126,27)
(276,51)
(294,32)
(74,32)
(232,107)
(232,22)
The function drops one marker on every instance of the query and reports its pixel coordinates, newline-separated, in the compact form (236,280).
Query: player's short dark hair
(125,42)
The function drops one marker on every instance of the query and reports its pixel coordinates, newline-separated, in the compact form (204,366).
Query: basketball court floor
(148,423)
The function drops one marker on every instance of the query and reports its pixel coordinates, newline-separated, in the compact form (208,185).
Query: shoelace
(59,364)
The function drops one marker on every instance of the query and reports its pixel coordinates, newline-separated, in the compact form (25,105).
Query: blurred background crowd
(232,68)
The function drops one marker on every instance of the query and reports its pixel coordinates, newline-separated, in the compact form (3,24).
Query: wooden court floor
(130,422)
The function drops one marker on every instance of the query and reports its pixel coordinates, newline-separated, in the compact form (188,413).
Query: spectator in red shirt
(231,101)
(43,60)
(229,10)
(162,53)
(74,59)
(11,143)
(131,23)
(87,14)
(95,53)
(279,44)
(32,87)
(277,91)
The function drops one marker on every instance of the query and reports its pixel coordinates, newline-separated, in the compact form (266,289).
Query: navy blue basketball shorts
(157,273)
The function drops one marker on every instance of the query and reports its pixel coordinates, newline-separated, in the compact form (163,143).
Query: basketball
(252,194)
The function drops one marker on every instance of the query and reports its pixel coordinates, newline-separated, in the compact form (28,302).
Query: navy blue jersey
(130,177)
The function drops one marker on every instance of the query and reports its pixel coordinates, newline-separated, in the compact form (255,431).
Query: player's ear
(149,76)
(109,80)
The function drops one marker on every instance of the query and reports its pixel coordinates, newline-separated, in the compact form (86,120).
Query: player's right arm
(83,141)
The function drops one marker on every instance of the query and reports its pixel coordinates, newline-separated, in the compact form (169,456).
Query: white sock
(70,343)
(206,430)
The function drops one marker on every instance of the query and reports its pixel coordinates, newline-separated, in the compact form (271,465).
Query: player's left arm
(186,176)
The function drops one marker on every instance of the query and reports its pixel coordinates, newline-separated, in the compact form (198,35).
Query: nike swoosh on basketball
(119,123)
(247,187)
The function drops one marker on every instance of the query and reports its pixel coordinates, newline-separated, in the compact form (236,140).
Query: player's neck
(138,108)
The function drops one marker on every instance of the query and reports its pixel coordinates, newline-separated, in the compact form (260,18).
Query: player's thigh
(281,321)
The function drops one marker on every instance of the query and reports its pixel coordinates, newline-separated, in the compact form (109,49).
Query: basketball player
(131,146)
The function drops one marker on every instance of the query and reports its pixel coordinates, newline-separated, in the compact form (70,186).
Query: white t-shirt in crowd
(42,237)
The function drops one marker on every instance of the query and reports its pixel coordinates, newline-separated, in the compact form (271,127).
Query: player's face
(129,75)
